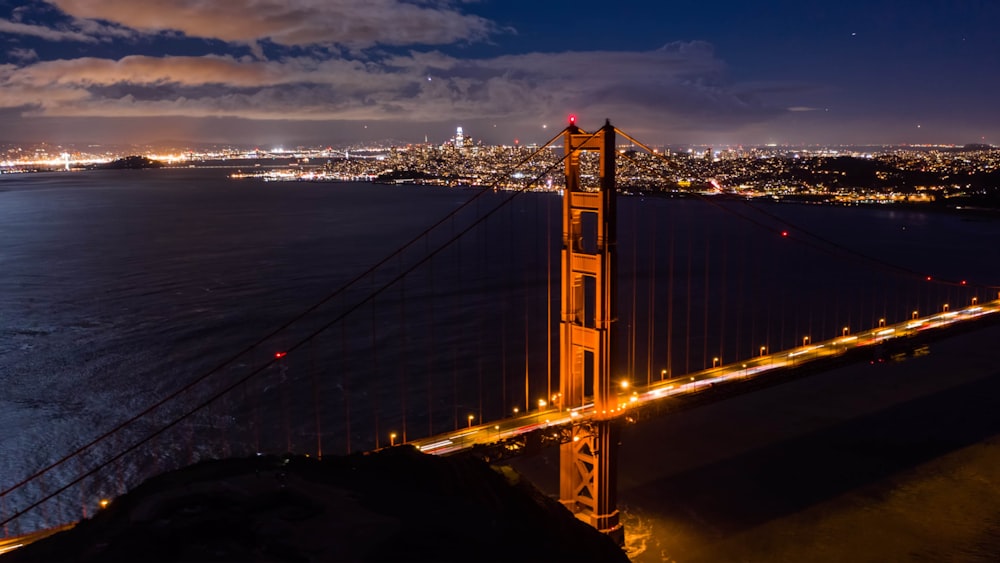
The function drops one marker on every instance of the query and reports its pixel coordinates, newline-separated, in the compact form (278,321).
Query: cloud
(681,85)
(23,55)
(353,23)
(47,33)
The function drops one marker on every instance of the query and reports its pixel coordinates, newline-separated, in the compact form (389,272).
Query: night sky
(290,72)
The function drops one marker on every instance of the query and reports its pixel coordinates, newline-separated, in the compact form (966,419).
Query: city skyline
(722,73)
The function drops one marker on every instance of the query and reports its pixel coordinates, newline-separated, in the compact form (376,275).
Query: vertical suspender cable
(650,315)
(404,345)
(687,320)
(548,290)
(633,321)
(372,381)
(345,386)
(723,294)
(670,303)
(432,330)
(704,322)
(315,394)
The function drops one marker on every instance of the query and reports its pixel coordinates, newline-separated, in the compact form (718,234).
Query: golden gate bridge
(590,312)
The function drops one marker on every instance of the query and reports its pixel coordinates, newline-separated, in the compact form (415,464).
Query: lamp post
(805,340)
(715,362)
(470,420)
(881,323)
(762,350)
(915,314)
(945,308)
(845,331)
(392,439)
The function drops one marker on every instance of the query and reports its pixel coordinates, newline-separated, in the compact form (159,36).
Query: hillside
(393,505)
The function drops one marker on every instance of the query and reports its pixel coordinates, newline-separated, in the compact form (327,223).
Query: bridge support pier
(588,463)
(589,476)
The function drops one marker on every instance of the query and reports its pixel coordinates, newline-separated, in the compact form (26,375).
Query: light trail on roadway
(632,397)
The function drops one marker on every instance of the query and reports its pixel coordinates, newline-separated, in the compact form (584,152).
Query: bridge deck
(633,397)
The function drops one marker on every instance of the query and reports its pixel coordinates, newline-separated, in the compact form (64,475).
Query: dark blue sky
(327,71)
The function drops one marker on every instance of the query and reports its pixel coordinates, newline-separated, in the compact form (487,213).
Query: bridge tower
(588,472)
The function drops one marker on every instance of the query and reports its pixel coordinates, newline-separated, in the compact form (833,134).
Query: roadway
(632,397)
(14,542)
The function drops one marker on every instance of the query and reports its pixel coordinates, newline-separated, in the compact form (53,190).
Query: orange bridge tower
(588,472)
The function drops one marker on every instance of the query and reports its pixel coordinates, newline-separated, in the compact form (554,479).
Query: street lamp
(945,308)
(516,410)
(881,323)
(762,350)
(846,330)
(392,439)
(624,384)
(975,300)
(915,314)
(470,420)
(663,374)
(805,340)
(715,362)
(541,404)
(745,371)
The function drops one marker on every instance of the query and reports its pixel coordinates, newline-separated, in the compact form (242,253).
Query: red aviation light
(572,119)
(784,233)
(280,354)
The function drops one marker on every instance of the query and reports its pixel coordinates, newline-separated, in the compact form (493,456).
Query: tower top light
(572,119)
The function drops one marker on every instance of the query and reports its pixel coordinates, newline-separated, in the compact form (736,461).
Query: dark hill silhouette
(393,505)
